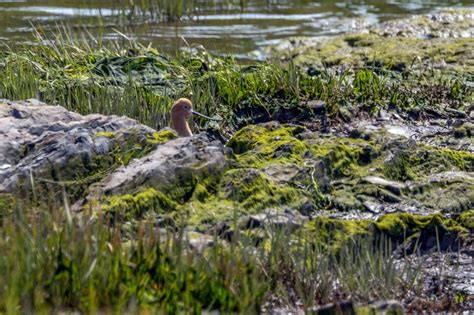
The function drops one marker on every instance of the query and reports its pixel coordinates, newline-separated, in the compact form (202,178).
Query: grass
(52,263)
(126,78)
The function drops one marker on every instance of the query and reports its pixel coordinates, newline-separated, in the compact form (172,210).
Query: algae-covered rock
(41,143)
(172,166)
(387,172)
(384,307)
(426,232)
(171,175)
(338,308)
(442,41)
(420,232)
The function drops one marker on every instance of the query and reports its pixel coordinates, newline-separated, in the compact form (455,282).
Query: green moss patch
(261,145)
(427,232)
(467,220)
(128,206)
(252,189)
(433,231)
(425,160)
(162,136)
(397,53)
(332,169)
(240,192)
(334,232)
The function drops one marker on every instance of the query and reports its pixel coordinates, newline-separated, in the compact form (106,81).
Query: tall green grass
(51,263)
(127,78)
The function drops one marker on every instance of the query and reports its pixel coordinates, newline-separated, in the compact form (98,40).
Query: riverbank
(320,182)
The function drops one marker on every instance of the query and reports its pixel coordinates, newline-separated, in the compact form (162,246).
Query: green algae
(466,219)
(252,189)
(334,232)
(162,136)
(240,192)
(408,164)
(396,53)
(429,231)
(260,145)
(272,148)
(404,226)
(270,142)
(129,206)
(107,134)
(345,156)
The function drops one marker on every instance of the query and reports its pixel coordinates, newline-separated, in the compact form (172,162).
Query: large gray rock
(38,141)
(178,162)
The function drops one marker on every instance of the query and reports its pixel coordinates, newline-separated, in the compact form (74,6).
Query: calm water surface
(222,26)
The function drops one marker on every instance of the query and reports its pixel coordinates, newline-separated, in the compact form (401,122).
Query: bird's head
(184,108)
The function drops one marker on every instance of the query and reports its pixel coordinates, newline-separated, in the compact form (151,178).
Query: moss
(398,224)
(252,189)
(345,156)
(334,232)
(451,196)
(430,231)
(466,219)
(239,192)
(107,134)
(202,216)
(162,136)
(268,142)
(261,145)
(132,206)
(289,156)
(424,160)
(397,53)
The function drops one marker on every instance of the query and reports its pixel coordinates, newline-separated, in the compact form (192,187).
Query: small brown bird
(180,112)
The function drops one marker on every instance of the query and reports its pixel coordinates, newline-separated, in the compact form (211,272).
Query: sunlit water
(220,27)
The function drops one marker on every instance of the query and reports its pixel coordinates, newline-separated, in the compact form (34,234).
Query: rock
(394,187)
(386,307)
(272,218)
(398,45)
(38,141)
(339,308)
(281,173)
(373,207)
(177,162)
(199,241)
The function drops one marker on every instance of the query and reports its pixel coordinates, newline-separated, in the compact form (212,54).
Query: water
(221,27)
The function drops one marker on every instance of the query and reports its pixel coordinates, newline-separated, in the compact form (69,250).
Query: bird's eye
(186,107)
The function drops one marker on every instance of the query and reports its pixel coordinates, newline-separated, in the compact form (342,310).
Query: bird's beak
(199,114)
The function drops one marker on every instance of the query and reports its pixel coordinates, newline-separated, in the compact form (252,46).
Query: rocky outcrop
(41,142)
(378,169)
(170,165)
(161,182)
(375,170)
